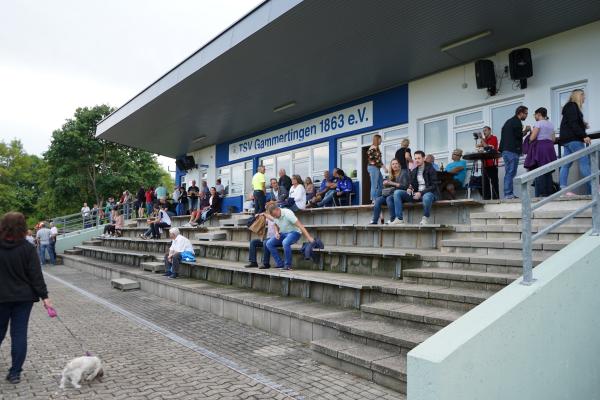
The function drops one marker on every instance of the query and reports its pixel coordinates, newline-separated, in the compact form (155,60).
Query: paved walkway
(157,349)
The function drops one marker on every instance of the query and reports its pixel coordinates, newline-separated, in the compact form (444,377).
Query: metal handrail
(77,223)
(527,207)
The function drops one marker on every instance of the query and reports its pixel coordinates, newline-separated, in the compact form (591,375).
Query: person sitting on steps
(179,245)
(396,181)
(327,184)
(162,221)
(458,168)
(213,207)
(261,243)
(423,187)
(288,230)
(341,194)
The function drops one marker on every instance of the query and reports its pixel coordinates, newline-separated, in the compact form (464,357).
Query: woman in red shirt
(490,178)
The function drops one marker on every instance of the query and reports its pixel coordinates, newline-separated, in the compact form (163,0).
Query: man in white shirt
(179,245)
(43,240)
(85,214)
(53,237)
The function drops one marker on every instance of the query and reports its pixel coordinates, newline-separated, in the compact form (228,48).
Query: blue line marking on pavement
(257,377)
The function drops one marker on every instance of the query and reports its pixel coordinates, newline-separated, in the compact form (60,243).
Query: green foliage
(82,168)
(21,179)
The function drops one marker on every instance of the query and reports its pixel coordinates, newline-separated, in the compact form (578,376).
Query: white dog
(81,369)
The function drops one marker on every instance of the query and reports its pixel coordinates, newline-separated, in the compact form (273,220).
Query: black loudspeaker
(189,162)
(180,164)
(485,75)
(519,64)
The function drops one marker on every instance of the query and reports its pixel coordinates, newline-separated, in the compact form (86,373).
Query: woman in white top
(297,197)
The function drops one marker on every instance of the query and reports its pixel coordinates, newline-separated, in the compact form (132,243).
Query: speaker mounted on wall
(485,76)
(520,66)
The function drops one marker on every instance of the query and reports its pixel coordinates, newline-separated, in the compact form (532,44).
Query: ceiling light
(199,139)
(284,106)
(466,40)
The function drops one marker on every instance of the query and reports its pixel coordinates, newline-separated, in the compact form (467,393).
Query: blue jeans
(511,162)
(255,244)
(402,196)
(18,315)
(376,181)
(148,209)
(192,203)
(286,240)
(585,168)
(43,249)
(172,268)
(180,209)
(327,199)
(389,200)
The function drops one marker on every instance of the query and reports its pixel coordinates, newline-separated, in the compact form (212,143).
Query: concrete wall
(525,342)
(68,242)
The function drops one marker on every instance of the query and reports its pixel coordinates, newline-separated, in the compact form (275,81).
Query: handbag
(258,226)
(388,191)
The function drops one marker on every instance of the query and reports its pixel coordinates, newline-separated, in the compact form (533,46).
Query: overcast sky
(58,55)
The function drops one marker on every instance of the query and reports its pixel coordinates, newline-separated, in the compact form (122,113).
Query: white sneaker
(424,221)
(398,222)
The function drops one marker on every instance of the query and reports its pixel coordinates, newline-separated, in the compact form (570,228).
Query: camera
(476,135)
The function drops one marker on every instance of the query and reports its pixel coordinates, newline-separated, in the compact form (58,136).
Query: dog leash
(53,314)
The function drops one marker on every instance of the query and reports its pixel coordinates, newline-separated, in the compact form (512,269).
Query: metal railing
(524,181)
(73,224)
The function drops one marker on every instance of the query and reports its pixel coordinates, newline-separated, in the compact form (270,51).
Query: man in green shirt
(260,191)
(288,230)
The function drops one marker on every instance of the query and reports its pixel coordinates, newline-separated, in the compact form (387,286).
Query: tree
(82,168)
(21,179)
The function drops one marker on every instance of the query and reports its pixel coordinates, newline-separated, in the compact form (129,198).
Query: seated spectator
(310,189)
(423,186)
(396,181)
(297,198)
(261,243)
(341,194)
(213,207)
(430,158)
(288,230)
(193,192)
(327,184)
(284,180)
(179,245)
(115,229)
(278,194)
(220,188)
(160,222)
(458,168)
(248,205)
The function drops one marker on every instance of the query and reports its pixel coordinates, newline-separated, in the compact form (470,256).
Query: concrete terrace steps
(513,232)
(380,346)
(344,289)
(426,317)
(461,278)
(544,248)
(369,362)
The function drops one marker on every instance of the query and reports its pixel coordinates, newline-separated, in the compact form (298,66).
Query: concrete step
(126,257)
(378,365)
(154,266)
(211,236)
(93,242)
(365,235)
(73,251)
(512,232)
(299,319)
(543,248)
(460,278)
(418,316)
(236,221)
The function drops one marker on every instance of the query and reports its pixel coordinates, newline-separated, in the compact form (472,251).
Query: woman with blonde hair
(396,180)
(573,137)
(374,164)
(310,188)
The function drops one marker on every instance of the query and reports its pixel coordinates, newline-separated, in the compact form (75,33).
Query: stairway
(377,292)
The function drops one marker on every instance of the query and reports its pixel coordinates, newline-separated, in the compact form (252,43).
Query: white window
(248,173)
(396,134)
(469,118)
(500,114)
(320,156)
(348,156)
(560,96)
(435,136)
(269,164)
(309,161)
(237,180)
(224,175)
(284,162)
